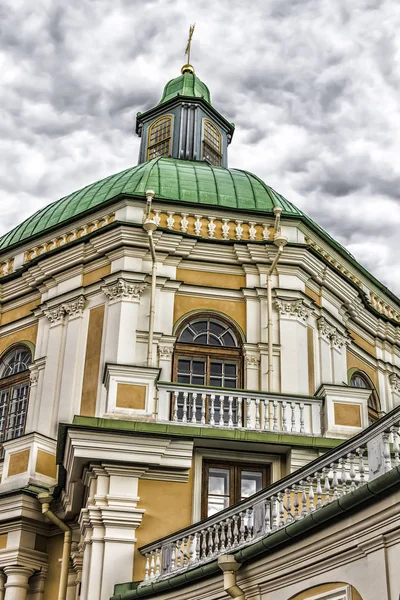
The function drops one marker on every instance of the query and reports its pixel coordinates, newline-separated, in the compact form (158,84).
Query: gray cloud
(312,86)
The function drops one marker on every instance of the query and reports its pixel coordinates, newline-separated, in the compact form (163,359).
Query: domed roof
(193,182)
(187,84)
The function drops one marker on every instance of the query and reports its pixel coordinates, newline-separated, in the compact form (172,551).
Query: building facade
(174,339)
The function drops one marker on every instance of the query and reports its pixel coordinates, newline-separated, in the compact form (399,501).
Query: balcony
(321,490)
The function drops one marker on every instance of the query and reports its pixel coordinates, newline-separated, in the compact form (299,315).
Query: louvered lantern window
(160,138)
(14,392)
(211,144)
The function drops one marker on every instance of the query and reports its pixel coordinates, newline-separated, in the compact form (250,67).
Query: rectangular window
(225,484)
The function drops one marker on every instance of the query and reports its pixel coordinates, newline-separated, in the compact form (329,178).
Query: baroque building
(194,378)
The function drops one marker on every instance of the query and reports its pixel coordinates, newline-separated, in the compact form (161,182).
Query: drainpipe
(280,241)
(229,566)
(45,499)
(150,226)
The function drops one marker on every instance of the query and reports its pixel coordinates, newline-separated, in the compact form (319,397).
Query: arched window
(361,380)
(159,141)
(211,144)
(14,392)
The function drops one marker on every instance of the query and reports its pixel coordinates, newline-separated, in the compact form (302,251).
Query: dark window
(361,380)
(14,392)
(211,144)
(225,484)
(160,138)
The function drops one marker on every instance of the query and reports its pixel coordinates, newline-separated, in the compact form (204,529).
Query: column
(17,585)
(165,353)
(339,362)
(122,317)
(2,582)
(36,585)
(325,359)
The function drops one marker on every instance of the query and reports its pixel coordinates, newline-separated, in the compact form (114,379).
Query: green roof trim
(172,179)
(187,85)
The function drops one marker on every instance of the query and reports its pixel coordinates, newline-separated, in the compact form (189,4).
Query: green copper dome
(187,84)
(177,180)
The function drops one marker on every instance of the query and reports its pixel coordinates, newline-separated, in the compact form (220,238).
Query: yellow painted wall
(348,415)
(313,295)
(3,540)
(168,507)
(221,280)
(354,362)
(95,275)
(236,310)
(363,343)
(54,549)
(92,362)
(18,463)
(46,464)
(9,316)
(28,334)
(131,396)
(323,589)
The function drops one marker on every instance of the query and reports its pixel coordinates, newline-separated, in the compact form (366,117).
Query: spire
(188,68)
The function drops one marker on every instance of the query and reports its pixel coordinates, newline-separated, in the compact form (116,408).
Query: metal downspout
(230,566)
(149,225)
(45,499)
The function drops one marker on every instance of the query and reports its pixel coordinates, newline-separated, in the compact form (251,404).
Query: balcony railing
(199,405)
(337,473)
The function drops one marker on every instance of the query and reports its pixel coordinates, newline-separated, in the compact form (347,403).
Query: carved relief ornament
(296,308)
(394,381)
(72,308)
(331,334)
(123,290)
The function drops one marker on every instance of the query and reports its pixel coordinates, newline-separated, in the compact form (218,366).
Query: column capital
(123,289)
(17,576)
(295,308)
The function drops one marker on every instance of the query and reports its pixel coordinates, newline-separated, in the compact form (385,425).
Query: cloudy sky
(312,86)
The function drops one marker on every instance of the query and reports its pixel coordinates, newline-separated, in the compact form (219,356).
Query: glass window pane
(215,504)
(228,340)
(230,369)
(200,326)
(201,339)
(251,482)
(216,368)
(230,383)
(216,328)
(183,378)
(216,381)
(198,379)
(199,366)
(186,336)
(184,365)
(218,481)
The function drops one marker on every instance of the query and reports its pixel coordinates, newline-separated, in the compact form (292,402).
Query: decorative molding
(34,377)
(55,314)
(165,352)
(331,334)
(394,381)
(73,308)
(252,361)
(296,308)
(123,290)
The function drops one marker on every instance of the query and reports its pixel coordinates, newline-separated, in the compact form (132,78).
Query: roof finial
(188,67)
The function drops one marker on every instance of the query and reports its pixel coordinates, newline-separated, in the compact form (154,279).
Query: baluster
(173,557)
(170,220)
(216,537)
(268,517)
(203,409)
(230,411)
(185,407)
(158,563)
(281,510)
(179,554)
(175,417)
(352,472)
(198,546)
(335,483)
(192,551)
(239,412)
(304,510)
(293,416)
(361,467)
(147,567)
(210,542)
(194,400)
(229,534)
(275,425)
(152,565)
(386,451)
(249,516)
(396,449)
(289,516)
(257,413)
(302,428)
(235,530)
(212,409)
(221,410)
(318,490)
(311,493)
(274,514)
(185,552)
(204,544)
(284,418)
(266,413)
(343,475)
(223,536)
(248,415)
(242,528)
(296,503)
(327,487)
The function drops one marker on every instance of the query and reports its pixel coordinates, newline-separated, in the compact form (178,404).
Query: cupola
(184,124)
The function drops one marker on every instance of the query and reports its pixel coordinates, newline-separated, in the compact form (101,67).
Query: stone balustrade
(336,474)
(230,408)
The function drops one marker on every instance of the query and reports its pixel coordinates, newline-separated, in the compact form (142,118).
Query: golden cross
(187,51)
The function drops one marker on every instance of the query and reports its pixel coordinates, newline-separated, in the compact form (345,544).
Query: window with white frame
(14,392)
